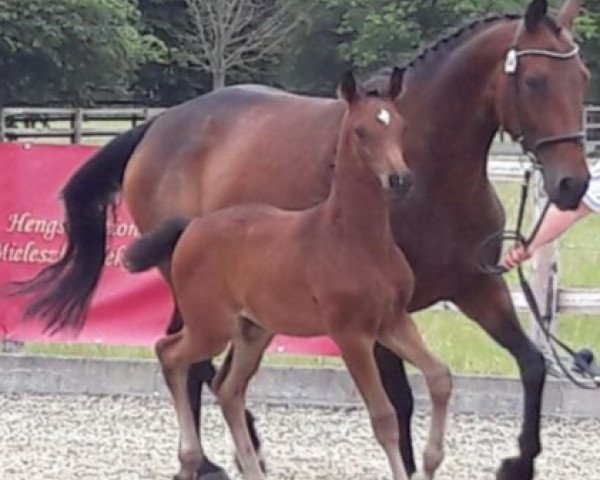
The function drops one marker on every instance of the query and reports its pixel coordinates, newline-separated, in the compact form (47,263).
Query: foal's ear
(396,80)
(536,12)
(349,88)
(568,13)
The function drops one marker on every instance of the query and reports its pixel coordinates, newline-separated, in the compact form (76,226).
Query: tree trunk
(218,78)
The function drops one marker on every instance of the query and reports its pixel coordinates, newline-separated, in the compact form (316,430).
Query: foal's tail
(155,247)
(62,291)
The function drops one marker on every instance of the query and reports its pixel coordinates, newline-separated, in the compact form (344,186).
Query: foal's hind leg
(402,337)
(198,374)
(357,352)
(176,352)
(248,349)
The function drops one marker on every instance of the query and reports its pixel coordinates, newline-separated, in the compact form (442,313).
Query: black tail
(155,247)
(62,291)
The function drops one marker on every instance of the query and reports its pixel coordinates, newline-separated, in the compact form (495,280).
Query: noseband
(511,68)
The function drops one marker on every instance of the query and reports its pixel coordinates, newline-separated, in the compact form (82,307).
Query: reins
(583,360)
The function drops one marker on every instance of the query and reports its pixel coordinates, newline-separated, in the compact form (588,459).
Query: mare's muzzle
(568,193)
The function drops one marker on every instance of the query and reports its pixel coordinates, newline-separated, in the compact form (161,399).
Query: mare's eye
(535,82)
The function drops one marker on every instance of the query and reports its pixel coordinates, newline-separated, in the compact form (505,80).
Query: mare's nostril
(570,192)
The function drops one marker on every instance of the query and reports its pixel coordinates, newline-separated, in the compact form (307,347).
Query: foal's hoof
(261,463)
(515,469)
(210,471)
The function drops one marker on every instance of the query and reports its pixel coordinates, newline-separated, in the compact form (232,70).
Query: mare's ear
(568,13)
(396,80)
(349,88)
(536,12)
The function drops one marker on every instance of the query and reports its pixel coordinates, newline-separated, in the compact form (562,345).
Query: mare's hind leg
(399,391)
(176,353)
(244,360)
(357,353)
(488,302)
(402,337)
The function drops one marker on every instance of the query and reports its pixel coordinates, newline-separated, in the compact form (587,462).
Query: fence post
(545,273)
(77,126)
(2,125)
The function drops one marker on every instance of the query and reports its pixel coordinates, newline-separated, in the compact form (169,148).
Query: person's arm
(554,224)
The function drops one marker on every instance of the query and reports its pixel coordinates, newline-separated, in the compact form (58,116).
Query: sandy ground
(131,438)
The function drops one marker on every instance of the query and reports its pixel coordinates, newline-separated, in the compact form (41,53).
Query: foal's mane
(429,57)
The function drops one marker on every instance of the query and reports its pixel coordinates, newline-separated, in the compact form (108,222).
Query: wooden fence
(506,164)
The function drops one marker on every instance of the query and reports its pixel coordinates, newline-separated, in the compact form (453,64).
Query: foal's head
(374,125)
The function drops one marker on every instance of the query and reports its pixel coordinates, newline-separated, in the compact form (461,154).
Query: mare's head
(542,99)
(374,125)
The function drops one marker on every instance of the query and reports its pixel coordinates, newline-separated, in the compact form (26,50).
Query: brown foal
(243,274)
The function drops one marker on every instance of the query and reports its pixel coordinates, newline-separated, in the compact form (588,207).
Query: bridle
(511,68)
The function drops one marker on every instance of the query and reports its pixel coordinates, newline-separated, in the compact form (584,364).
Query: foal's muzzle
(401,183)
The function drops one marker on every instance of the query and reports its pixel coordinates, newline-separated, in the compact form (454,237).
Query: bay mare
(253,144)
(243,274)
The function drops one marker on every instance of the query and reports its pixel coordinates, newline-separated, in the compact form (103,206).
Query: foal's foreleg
(357,352)
(402,337)
(244,359)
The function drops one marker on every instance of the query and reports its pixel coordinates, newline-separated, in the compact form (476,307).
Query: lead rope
(583,360)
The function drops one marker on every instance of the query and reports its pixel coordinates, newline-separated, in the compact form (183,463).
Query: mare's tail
(62,291)
(155,247)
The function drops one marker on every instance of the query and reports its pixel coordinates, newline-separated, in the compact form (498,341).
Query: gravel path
(129,438)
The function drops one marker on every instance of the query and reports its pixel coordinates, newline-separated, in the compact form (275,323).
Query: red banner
(126,309)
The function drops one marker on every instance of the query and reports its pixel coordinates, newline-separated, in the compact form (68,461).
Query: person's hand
(515,256)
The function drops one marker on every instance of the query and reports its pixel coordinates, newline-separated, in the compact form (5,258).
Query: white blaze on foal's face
(384,116)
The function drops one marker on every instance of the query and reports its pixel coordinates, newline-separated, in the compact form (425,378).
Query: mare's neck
(357,204)
(452,105)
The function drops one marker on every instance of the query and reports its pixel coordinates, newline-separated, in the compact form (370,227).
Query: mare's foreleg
(393,375)
(401,336)
(242,362)
(488,302)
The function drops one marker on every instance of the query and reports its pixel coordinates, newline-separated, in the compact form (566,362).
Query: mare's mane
(429,57)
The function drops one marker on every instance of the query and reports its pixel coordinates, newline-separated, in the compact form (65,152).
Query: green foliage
(69,50)
(172,79)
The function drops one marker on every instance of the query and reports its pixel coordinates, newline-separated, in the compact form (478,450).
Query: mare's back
(236,145)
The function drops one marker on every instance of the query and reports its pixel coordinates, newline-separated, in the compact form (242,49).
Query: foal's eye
(535,82)
(360,132)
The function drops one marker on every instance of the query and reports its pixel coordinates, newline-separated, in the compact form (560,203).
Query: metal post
(545,273)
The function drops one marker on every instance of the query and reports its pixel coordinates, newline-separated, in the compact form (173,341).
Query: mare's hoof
(209,471)
(515,469)
(220,475)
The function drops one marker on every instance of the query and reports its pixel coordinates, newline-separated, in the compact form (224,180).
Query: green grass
(459,341)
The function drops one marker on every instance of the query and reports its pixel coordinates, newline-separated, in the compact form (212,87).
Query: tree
(69,50)
(236,35)
(170,79)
